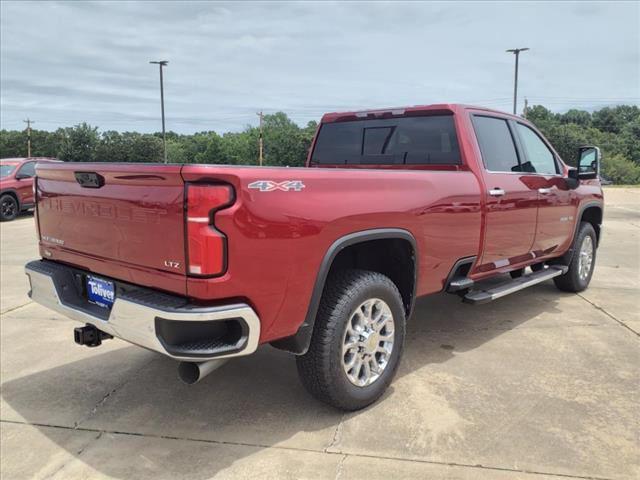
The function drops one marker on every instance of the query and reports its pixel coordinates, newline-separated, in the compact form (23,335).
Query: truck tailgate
(113,215)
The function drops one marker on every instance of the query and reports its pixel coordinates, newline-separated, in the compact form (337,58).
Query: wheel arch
(350,248)
(591,213)
(14,194)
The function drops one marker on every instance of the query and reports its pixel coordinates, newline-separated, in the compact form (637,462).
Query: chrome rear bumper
(154,320)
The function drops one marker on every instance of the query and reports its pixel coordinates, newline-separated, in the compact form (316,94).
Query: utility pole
(526,106)
(28,122)
(516,52)
(162,63)
(260,141)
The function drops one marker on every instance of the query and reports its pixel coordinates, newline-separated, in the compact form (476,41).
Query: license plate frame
(100,292)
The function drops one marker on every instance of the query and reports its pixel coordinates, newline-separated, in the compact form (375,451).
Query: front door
(25,183)
(556,208)
(510,224)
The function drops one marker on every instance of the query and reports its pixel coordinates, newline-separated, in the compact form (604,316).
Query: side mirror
(573,180)
(589,163)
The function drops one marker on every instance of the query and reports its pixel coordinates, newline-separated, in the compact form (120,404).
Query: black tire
(536,267)
(8,208)
(572,281)
(516,273)
(321,368)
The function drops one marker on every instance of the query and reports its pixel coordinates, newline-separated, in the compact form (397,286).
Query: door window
(28,169)
(496,144)
(539,158)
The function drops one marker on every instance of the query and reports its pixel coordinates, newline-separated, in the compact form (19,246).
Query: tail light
(206,246)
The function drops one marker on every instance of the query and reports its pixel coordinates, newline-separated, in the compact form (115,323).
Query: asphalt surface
(540,384)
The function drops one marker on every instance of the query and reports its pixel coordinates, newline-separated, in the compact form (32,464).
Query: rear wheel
(8,208)
(357,340)
(582,262)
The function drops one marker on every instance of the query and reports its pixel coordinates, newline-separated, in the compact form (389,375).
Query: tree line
(286,144)
(616,130)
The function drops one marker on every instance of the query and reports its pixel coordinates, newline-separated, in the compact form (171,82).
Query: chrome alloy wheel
(368,342)
(585,259)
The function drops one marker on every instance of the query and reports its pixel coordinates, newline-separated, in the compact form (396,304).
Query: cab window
(496,144)
(426,140)
(540,158)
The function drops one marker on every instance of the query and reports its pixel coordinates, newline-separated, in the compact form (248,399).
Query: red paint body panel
(276,240)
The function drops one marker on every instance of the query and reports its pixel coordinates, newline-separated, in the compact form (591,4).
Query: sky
(62,63)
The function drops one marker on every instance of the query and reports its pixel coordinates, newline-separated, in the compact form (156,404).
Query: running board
(477,297)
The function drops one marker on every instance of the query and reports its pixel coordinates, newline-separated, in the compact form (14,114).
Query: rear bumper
(163,323)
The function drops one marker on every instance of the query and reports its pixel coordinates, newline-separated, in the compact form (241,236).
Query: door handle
(544,191)
(496,192)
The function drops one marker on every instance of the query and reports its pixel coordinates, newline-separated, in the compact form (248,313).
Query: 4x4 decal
(270,185)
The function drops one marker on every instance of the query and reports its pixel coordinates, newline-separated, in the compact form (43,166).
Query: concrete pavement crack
(336,434)
(76,424)
(598,307)
(310,450)
(16,308)
(77,454)
(340,467)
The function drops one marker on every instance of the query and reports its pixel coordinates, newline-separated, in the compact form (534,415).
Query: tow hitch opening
(89,336)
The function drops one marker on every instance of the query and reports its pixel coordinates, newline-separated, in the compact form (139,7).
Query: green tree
(145,148)
(579,117)
(78,144)
(214,151)
(176,152)
(284,141)
(621,170)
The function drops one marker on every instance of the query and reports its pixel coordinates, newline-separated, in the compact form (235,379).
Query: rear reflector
(207,246)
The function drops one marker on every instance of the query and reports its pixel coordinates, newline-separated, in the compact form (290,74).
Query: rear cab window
(419,140)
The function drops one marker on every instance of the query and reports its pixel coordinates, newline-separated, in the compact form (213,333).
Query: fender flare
(300,341)
(565,259)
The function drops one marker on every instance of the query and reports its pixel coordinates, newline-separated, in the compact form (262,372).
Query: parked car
(16,185)
(204,263)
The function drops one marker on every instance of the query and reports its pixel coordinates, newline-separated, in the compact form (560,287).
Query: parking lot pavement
(540,384)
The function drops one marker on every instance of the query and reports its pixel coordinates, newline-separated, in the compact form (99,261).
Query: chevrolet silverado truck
(204,263)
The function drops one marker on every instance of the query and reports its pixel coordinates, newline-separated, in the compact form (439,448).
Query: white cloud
(63,63)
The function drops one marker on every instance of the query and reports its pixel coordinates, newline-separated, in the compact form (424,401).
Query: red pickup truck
(16,185)
(204,263)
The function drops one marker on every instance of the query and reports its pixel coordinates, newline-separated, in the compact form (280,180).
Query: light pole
(162,63)
(516,52)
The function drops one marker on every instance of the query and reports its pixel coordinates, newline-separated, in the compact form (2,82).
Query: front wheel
(582,262)
(357,340)
(8,208)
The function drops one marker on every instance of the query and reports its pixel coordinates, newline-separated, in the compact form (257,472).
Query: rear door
(511,210)
(115,219)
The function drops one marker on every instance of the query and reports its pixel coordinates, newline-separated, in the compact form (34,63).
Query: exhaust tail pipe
(193,372)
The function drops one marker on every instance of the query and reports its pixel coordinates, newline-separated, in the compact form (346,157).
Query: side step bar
(477,297)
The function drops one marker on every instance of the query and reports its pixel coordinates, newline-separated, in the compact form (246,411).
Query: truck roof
(404,111)
(19,160)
